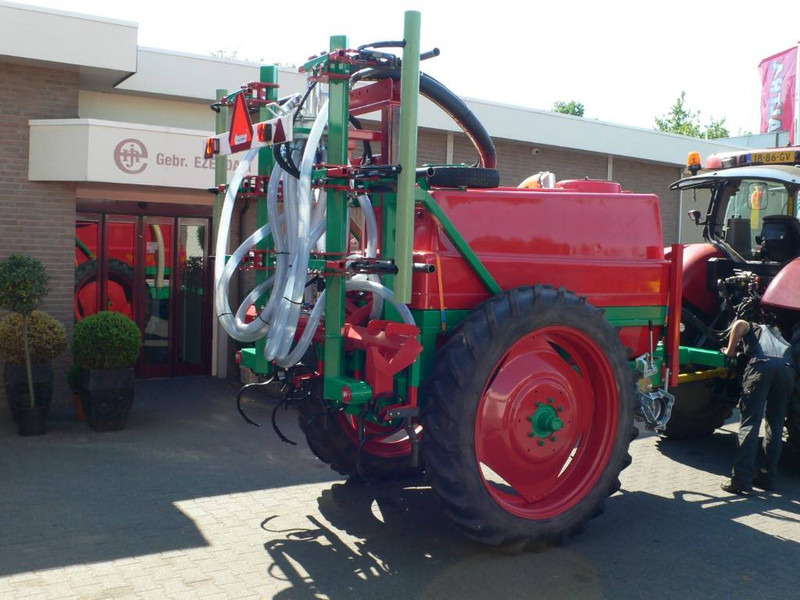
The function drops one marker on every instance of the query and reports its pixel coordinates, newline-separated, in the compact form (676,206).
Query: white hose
(288,312)
(295,232)
(221,303)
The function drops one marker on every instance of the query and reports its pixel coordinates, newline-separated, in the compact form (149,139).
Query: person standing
(767,384)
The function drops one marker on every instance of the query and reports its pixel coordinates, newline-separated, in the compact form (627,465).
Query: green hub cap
(545,421)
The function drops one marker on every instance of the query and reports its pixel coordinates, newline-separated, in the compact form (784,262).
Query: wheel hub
(545,421)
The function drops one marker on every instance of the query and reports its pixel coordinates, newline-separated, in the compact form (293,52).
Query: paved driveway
(191,502)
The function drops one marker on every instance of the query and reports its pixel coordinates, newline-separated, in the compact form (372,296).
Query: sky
(626,62)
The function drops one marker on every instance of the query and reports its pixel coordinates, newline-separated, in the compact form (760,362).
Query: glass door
(193,339)
(155,271)
(157,294)
(105,258)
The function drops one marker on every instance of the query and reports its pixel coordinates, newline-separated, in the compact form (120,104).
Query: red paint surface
(607,247)
(784,290)
(695,268)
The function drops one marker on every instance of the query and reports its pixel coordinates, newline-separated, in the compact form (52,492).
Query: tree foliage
(569,108)
(683,121)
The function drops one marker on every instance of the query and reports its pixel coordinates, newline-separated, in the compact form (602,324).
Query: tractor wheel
(120,288)
(472,177)
(333,438)
(696,412)
(528,417)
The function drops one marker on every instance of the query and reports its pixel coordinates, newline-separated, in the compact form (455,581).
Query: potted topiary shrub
(106,345)
(30,342)
(46,340)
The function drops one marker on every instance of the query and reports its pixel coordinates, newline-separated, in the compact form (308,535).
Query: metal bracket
(655,409)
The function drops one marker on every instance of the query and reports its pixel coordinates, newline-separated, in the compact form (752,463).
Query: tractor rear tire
(528,417)
(471,177)
(120,274)
(696,412)
(333,439)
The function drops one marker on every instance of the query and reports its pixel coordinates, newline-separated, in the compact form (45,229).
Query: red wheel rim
(388,443)
(554,371)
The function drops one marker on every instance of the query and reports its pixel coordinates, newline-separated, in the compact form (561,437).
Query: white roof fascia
(196,77)
(104,50)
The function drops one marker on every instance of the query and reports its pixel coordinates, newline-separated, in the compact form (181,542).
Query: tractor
(426,321)
(748,261)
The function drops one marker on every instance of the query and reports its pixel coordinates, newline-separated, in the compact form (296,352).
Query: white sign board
(89,150)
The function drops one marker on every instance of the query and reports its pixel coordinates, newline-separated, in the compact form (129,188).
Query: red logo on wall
(130,156)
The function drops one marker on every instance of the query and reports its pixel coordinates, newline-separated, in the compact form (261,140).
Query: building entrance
(155,270)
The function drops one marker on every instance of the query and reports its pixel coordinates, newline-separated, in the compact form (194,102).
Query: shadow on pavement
(390,541)
(74,496)
(712,454)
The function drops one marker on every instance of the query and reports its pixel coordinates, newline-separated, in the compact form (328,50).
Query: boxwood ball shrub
(46,338)
(23,283)
(106,340)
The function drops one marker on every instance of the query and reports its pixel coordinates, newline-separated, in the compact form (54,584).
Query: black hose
(454,106)
(285,161)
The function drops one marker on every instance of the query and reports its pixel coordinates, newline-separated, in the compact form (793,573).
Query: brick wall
(431,147)
(38,218)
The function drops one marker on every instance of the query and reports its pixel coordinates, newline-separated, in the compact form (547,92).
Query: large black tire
(456,177)
(697,411)
(332,439)
(526,351)
(118,271)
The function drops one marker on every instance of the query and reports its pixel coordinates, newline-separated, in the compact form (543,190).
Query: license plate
(776,156)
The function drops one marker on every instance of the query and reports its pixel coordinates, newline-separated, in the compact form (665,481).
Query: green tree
(569,108)
(716,129)
(683,121)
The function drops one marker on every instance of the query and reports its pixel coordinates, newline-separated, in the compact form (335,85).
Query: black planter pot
(16,384)
(107,397)
(32,421)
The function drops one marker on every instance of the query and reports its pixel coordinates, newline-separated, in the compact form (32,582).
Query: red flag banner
(778,93)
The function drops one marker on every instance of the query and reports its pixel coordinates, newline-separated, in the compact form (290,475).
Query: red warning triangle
(280,135)
(241,133)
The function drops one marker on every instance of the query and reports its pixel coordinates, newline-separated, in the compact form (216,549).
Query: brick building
(102,154)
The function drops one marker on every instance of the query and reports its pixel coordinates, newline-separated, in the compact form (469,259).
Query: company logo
(130,156)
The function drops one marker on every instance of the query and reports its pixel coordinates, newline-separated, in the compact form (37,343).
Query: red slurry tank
(587,236)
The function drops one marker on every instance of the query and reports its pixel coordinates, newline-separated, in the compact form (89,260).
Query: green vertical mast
(337,225)
(407,151)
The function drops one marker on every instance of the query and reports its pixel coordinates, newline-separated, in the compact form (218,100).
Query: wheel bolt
(560,409)
(553,439)
(541,442)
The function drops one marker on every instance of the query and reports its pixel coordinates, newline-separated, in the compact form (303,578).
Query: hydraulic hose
(454,106)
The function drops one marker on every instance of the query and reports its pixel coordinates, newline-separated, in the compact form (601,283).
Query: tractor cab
(751,219)
(752,213)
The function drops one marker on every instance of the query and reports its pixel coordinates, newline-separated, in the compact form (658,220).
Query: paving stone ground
(191,502)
